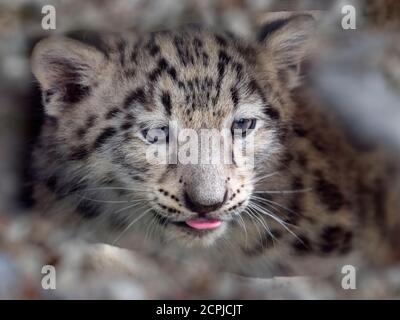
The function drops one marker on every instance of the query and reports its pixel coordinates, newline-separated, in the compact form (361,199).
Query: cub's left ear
(286,41)
(66,70)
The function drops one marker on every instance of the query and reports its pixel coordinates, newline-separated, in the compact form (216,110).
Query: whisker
(284,191)
(155,226)
(130,225)
(263,210)
(150,228)
(243,226)
(272,216)
(252,220)
(263,223)
(128,207)
(271,203)
(261,178)
(116,188)
(110,201)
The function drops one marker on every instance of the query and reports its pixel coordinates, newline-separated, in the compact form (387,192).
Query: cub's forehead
(186,73)
(189,48)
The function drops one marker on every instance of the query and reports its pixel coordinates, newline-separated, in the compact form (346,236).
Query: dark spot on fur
(206,59)
(254,88)
(331,233)
(335,238)
(319,145)
(302,160)
(223,58)
(163,64)
(126,126)
(223,61)
(302,245)
(137,95)
(328,193)
(181,85)
(328,247)
(151,46)
(297,183)
(79,153)
(88,209)
(134,56)
(270,27)
(74,93)
(91,121)
(197,43)
(129,117)
(121,45)
(172,73)
(299,130)
(238,68)
(155,74)
(272,112)
(166,101)
(235,96)
(221,40)
(154,49)
(52,182)
(183,51)
(296,209)
(112,113)
(286,160)
(130,73)
(104,136)
(81,132)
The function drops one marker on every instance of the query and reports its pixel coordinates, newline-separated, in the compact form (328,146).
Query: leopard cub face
(110,105)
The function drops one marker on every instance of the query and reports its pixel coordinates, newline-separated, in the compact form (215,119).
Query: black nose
(202,208)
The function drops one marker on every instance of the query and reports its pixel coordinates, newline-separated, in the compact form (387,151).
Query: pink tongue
(203,224)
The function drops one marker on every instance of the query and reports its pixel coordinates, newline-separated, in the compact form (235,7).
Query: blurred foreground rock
(99,271)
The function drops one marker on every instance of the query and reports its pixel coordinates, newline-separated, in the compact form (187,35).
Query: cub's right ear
(286,39)
(66,70)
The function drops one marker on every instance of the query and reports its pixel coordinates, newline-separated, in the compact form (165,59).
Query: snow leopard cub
(309,194)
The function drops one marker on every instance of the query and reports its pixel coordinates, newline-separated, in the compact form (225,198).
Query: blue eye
(244,125)
(158,135)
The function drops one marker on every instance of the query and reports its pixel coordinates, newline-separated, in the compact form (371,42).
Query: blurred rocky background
(358,67)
